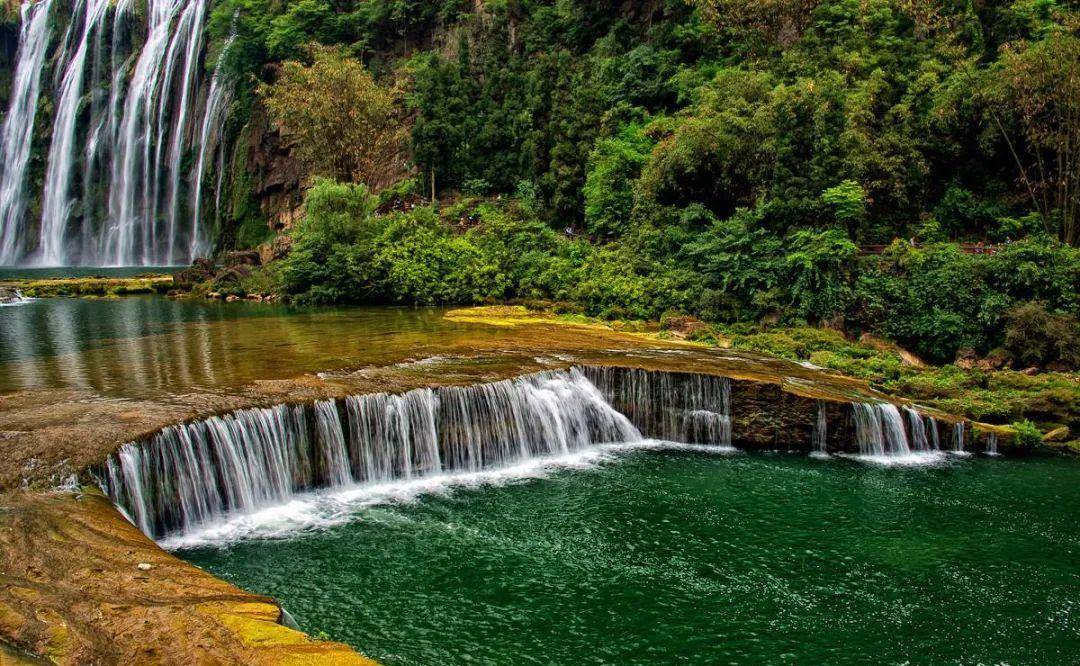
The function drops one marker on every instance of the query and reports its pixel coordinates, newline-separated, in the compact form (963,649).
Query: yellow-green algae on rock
(82,585)
(91,286)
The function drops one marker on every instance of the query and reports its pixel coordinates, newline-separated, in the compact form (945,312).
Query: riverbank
(82,585)
(996,398)
(91,286)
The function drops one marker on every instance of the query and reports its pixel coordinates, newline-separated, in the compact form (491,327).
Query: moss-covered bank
(91,286)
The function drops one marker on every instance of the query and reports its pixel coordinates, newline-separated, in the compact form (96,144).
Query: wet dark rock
(201,270)
(243,258)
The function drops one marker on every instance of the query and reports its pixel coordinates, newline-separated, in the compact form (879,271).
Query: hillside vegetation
(901,167)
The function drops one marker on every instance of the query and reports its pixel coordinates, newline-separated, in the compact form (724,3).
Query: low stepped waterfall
(134,127)
(674,406)
(882,430)
(194,475)
(191,474)
(879,429)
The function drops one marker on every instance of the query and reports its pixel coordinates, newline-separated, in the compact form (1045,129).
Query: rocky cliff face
(278,180)
(277,177)
(9,44)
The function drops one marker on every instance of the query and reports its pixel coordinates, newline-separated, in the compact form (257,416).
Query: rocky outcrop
(880,344)
(223,276)
(82,585)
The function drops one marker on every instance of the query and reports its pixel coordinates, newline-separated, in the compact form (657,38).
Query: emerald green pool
(678,556)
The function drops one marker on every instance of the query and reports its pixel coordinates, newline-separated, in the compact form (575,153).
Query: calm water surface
(680,557)
(136,346)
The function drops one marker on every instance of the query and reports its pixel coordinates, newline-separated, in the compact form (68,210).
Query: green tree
(1038,85)
(614,164)
(848,203)
(340,122)
(819,270)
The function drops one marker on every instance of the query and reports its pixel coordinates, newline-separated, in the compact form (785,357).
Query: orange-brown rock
(81,585)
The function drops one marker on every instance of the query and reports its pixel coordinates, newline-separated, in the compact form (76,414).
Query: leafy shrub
(1035,336)
(818,272)
(332,245)
(1027,435)
(613,167)
(417,261)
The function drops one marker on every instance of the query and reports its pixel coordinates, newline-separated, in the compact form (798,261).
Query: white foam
(327,508)
(661,445)
(18,300)
(916,459)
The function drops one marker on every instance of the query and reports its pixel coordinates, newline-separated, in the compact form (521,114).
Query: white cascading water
(152,132)
(917,427)
(125,123)
(879,430)
(819,438)
(57,200)
(958,437)
(14,297)
(189,475)
(677,407)
(253,469)
(992,444)
(210,135)
(18,128)
(334,450)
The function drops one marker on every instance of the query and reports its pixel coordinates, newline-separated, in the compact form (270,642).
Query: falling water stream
(125,121)
(191,475)
(17,131)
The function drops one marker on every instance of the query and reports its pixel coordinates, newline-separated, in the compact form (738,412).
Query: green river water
(684,557)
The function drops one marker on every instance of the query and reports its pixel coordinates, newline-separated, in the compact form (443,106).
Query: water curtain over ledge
(192,474)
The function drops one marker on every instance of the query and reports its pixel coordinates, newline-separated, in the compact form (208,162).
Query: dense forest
(904,167)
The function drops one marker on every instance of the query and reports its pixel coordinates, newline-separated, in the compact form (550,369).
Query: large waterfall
(131,113)
(18,128)
(190,474)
